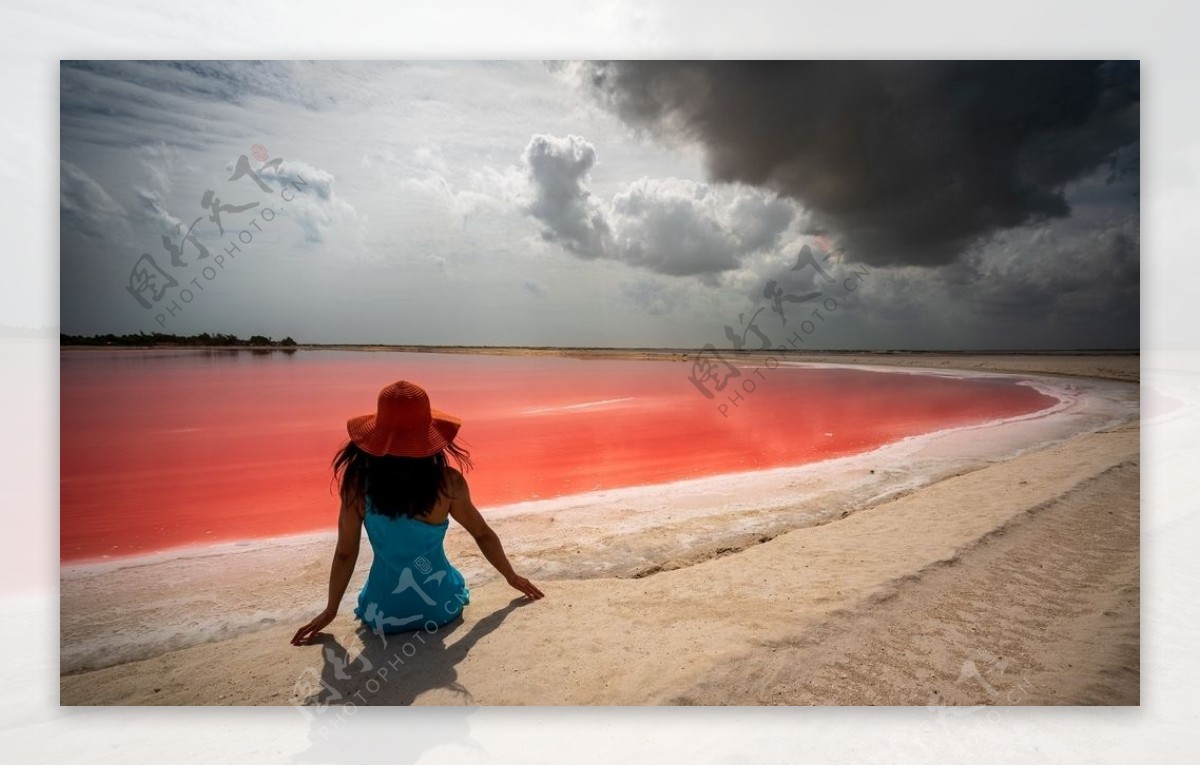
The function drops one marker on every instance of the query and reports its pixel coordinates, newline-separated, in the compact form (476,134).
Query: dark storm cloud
(1091,274)
(906,162)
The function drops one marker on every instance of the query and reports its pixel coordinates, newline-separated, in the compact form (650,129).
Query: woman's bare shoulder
(456,483)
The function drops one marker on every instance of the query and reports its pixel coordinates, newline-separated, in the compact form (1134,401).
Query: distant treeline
(167,339)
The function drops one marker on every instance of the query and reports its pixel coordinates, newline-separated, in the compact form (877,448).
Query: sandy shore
(993,565)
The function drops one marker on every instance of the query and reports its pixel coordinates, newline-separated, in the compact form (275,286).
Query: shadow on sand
(394,669)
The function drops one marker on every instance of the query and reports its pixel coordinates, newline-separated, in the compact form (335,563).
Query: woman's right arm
(465,513)
(350,521)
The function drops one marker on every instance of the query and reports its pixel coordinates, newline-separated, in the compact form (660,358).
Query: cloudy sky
(655,204)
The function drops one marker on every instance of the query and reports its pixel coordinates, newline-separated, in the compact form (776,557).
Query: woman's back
(411,581)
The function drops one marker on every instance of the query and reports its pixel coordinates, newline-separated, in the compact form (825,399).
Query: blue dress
(411,585)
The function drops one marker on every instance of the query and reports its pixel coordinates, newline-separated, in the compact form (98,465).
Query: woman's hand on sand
(526,587)
(306,634)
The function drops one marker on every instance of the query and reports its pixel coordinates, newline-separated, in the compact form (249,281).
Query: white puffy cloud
(558,171)
(669,226)
(313,202)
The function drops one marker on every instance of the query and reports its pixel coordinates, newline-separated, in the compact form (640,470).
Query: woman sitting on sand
(395,481)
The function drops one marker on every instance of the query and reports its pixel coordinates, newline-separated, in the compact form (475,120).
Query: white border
(1162,34)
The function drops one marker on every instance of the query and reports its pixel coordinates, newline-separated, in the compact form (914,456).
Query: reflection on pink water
(169,448)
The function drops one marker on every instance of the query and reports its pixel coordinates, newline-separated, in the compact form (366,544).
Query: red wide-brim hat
(404,425)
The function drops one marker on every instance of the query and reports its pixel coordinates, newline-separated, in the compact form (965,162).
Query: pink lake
(166,448)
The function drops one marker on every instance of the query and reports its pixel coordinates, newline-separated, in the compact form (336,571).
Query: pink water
(170,448)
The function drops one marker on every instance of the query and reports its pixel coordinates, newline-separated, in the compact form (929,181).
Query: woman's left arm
(345,556)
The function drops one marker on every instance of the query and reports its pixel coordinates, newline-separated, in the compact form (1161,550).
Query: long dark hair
(398,486)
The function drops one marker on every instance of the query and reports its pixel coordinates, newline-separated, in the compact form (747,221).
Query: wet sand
(993,565)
